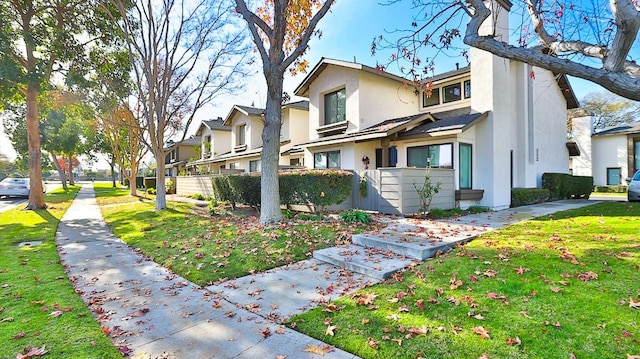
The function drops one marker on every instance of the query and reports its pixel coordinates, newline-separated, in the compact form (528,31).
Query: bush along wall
(564,186)
(319,188)
(526,196)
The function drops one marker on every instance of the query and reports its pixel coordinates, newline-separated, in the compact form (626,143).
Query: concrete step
(372,262)
(410,241)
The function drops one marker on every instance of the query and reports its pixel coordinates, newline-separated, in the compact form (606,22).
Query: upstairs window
(334,107)
(451,93)
(432,100)
(241,135)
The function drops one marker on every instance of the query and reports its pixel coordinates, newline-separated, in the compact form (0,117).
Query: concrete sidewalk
(156,314)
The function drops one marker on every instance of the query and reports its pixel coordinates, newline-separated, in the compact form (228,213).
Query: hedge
(563,186)
(320,188)
(149,182)
(610,189)
(526,196)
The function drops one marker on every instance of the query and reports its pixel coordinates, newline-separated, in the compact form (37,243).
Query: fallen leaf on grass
(320,350)
(373,343)
(483,333)
(587,276)
(56,313)
(634,304)
(32,352)
(330,330)
(629,356)
(514,341)
(19,335)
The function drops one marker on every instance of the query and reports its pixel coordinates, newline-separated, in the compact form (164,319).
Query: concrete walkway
(155,313)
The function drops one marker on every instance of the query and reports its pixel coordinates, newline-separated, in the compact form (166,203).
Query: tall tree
(281,30)
(609,110)
(37,39)
(593,40)
(184,54)
(124,135)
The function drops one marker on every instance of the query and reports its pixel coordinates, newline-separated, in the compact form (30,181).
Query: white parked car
(633,192)
(18,187)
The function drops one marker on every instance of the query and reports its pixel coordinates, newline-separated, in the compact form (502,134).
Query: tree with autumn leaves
(281,30)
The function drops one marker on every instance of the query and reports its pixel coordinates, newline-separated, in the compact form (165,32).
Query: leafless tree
(594,40)
(184,54)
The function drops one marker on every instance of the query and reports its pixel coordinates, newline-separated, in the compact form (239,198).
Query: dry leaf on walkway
(320,350)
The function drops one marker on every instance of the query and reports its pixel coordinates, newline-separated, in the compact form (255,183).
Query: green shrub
(478,209)
(610,189)
(309,217)
(222,191)
(320,188)
(526,196)
(287,213)
(564,186)
(437,213)
(246,189)
(149,182)
(150,190)
(355,216)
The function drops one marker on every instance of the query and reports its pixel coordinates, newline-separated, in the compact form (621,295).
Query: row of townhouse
(488,127)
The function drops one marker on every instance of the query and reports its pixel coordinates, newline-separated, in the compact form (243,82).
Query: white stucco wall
(581,130)
(608,152)
(550,123)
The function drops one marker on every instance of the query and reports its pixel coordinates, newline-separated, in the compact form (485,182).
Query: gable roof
(302,105)
(303,88)
(246,110)
(630,128)
(216,125)
(191,141)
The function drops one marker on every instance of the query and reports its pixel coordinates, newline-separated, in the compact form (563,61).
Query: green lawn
(38,306)
(563,286)
(206,249)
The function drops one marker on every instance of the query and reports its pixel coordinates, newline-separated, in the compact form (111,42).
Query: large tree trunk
(270,189)
(71,181)
(112,164)
(63,176)
(161,198)
(133,173)
(36,197)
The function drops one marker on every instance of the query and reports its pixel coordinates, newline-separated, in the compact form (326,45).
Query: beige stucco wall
(381,98)
(333,78)
(221,142)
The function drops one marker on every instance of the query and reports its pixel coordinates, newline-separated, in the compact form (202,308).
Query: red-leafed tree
(68,164)
(281,30)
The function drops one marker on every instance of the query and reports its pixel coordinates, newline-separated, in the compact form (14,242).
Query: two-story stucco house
(246,125)
(216,140)
(492,126)
(610,155)
(179,153)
